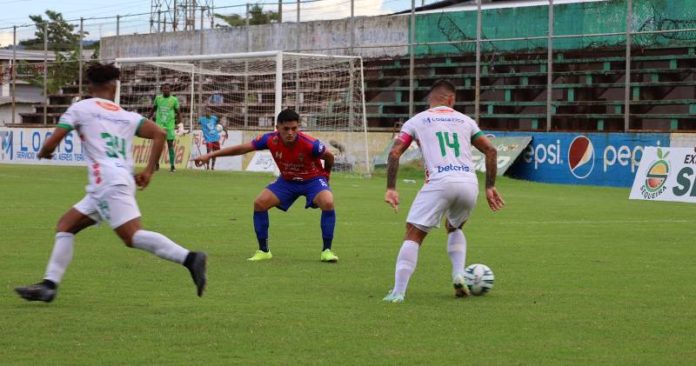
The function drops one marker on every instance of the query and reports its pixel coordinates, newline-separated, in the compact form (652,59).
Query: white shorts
(113,204)
(436,199)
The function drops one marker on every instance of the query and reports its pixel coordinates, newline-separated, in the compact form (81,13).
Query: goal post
(246,91)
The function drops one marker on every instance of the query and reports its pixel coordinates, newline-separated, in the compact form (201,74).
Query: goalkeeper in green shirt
(165,111)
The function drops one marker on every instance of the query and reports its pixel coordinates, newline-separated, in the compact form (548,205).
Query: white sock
(61,256)
(159,245)
(405,265)
(456,248)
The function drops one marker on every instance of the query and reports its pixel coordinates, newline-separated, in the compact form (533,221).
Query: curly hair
(98,73)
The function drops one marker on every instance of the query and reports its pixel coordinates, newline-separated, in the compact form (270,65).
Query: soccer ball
(219,128)
(479,278)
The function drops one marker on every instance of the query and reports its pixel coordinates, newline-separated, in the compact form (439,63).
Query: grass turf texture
(583,276)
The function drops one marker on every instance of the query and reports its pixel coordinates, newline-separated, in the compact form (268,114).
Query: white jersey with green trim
(107,132)
(444,137)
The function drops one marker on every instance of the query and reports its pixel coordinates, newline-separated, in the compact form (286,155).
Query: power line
(320,5)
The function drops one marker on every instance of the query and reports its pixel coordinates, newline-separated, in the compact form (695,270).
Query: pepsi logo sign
(581,157)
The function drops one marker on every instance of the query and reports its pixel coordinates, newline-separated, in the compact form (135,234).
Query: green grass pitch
(583,277)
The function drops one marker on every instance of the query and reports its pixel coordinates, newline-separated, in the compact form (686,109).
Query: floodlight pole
(549,68)
(200,74)
(45,74)
(193,77)
(627,87)
(352,27)
(14,72)
(79,77)
(297,61)
(411,60)
(118,36)
(246,70)
(175,23)
(477,91)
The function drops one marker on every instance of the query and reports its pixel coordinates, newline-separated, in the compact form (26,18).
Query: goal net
(247,90)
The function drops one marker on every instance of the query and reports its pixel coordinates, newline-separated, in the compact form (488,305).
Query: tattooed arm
(400,145)
(483,144)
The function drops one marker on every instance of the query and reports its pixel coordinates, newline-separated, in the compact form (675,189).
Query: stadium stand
(588,89)
(588,82)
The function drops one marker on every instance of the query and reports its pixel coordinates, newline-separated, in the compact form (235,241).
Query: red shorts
(212,146)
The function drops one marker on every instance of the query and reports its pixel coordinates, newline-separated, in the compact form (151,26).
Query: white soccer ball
(219,127)
(479,278)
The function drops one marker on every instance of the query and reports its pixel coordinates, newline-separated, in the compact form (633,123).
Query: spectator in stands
(216,99)
(165,110)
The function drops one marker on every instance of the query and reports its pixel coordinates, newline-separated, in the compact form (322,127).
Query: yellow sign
(182,152)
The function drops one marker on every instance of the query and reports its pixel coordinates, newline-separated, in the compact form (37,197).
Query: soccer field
(583,277)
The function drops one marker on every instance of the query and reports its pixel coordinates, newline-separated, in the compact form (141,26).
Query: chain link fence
(41,74)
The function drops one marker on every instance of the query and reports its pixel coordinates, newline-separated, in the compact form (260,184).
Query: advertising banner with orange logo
(666,174)
(182,152)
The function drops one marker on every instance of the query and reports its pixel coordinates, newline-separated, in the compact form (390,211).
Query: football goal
(247,90)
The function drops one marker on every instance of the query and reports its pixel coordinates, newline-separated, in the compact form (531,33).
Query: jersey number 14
(445,142)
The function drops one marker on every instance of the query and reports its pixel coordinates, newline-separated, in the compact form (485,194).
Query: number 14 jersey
(107,132)
(444,137)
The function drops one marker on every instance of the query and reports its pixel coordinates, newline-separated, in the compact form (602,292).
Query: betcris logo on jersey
(608,159)
(453,168)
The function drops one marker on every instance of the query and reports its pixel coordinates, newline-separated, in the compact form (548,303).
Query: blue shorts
(288,191)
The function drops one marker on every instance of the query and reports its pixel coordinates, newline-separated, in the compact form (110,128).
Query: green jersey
(165,113)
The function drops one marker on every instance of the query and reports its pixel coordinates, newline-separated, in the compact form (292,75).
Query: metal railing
(135,23)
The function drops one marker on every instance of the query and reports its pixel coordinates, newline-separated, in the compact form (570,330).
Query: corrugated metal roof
(461,5)
(8,100)
(32,55)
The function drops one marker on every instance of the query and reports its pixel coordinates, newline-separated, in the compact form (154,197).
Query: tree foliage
(61,72)
(256,17)
(62,36)
(64,42)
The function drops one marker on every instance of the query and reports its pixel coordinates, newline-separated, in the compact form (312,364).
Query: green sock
(170,147)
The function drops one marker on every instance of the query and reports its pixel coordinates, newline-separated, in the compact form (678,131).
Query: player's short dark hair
(99,73)
(166,84)
(445,85)
(287,115)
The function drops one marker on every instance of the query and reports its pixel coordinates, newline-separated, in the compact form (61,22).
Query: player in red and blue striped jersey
(299,158)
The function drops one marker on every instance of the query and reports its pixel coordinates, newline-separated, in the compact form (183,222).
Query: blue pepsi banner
(602,159)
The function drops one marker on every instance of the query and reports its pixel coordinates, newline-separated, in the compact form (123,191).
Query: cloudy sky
(16,12)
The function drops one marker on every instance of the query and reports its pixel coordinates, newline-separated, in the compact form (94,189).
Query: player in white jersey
(445,137)
(107,133)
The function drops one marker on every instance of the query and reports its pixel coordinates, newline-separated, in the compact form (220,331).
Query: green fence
(674,20)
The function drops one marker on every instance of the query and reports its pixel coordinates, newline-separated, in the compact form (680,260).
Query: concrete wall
(6,112)
(332,36)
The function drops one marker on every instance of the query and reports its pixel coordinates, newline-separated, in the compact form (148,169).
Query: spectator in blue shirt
(211,135)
